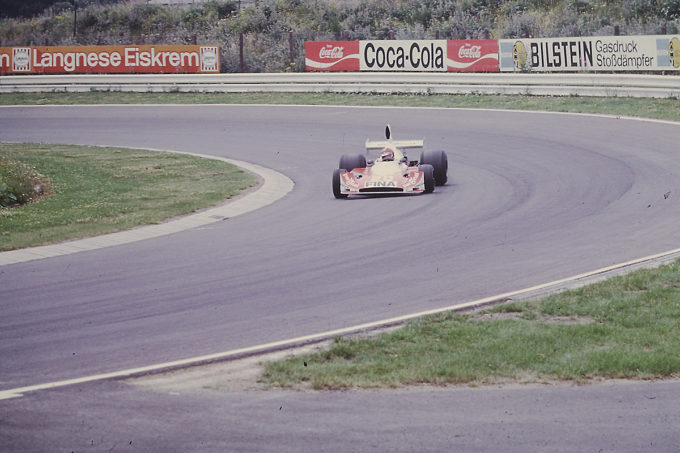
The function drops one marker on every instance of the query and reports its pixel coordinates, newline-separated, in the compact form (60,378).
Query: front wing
(360,182)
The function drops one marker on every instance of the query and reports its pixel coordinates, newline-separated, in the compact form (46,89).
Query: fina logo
(381,184)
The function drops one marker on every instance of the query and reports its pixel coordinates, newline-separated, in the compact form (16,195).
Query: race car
(391,172)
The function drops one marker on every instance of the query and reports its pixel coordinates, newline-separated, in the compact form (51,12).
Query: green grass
(650,108)
(626,327)
(99,190)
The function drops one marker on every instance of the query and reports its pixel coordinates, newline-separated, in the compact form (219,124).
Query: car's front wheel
(351,161)
(428,175)
(336,184)
(440,162)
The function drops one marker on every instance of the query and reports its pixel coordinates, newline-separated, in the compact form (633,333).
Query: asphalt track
(532,198)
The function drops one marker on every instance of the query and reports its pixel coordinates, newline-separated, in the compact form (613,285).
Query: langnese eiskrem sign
(109,59)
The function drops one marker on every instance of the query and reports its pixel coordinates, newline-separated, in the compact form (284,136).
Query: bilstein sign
(604,53)
(109,59)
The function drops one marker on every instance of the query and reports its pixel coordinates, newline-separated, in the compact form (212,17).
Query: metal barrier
(620,85)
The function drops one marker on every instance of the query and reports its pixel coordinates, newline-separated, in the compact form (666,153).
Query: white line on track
(542,289)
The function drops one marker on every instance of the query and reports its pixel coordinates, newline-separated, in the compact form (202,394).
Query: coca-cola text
(331,52)
(467,51)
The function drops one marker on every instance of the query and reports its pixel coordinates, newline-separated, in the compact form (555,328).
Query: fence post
(75,18)
(241,63)
(291,48)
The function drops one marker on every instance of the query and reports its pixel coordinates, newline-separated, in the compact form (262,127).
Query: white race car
(391,172)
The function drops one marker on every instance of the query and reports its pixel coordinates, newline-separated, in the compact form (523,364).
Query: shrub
(21,183)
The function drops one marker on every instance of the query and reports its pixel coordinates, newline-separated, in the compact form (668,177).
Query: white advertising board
(401,55)
(603,53)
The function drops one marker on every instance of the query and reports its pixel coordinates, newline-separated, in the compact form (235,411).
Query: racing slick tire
(351,161)
(440,162)
(336,184)
(428,174)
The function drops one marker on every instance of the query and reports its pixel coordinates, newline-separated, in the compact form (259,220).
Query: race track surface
(531,198)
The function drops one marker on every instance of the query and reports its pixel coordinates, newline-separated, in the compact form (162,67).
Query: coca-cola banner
(478,55)
(109,59)
(402,55)
(332,56)
(596,53)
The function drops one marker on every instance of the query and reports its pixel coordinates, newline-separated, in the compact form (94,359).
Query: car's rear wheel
(428,174)
(336,184)
(440,162)
(351,161)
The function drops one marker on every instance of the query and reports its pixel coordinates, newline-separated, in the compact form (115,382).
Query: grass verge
(625,327)
(99,190)
(649,108)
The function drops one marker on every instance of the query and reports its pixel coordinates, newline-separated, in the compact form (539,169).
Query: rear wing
(404,144)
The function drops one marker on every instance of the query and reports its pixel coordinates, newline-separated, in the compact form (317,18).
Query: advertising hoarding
(109,59)
(597,53)
(473,55)
(332,56)
(402,55)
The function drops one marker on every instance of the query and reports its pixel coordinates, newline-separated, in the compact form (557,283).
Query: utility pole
(75,18)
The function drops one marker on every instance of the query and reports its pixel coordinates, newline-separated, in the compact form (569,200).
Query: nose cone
(385,168)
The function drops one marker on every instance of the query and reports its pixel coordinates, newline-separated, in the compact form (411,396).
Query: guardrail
(620,85)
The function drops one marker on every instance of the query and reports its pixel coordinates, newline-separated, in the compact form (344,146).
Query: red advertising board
(332,56)
(109,59)
(403,55)
(473,55)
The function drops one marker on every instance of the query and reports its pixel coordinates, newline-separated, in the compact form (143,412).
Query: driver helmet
(387,154)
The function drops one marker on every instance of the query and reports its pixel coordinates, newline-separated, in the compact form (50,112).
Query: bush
(20,183)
